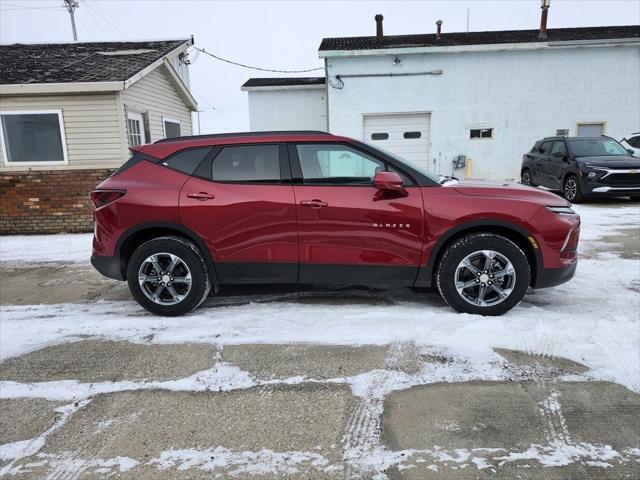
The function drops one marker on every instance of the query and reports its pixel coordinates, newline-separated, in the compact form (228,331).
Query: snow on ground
(17,249)
(594,319)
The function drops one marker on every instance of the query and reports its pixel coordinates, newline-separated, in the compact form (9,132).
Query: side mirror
(559,155)
(388,181)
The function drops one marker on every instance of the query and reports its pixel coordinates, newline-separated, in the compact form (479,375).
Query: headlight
(562,210)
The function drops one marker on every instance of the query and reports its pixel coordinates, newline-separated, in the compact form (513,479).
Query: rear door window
(559,147)
(247,164)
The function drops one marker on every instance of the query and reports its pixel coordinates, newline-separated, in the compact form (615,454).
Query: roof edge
(484,47)
(67,87)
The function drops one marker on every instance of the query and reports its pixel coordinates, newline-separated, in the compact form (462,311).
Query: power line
(256,68)
(106,19)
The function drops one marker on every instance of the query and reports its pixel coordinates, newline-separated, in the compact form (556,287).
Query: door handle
(314,203)
(201,195)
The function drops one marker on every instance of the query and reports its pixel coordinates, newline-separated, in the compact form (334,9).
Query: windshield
(596,147)
(402,161)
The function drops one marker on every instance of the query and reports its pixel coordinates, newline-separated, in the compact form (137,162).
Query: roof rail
(244,134)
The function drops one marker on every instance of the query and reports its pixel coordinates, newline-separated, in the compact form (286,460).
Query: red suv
(186,215)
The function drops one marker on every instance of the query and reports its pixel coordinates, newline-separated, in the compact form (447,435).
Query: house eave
(60,88)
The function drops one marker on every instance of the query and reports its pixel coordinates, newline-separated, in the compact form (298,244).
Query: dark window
(545,148)
(634,142)
(481,133)
(186,161)
(171,128)
(248,163)
(337,165)
(32,137)
(563,132)
(412,135)
(559,147)
(379,136)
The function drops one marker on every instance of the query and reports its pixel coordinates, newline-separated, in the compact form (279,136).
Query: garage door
(407,135)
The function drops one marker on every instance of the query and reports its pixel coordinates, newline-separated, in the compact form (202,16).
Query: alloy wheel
(570,189)
(526,179)
(164,278)
(485,278)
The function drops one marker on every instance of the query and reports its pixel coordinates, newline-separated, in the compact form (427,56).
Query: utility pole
(71,7)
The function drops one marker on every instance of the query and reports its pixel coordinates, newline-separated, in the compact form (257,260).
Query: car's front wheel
(484,274)
(572,190)
(168,276)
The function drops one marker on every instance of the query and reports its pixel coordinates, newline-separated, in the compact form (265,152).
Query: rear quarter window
(186,161)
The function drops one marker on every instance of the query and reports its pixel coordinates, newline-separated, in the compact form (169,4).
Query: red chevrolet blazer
(186,215)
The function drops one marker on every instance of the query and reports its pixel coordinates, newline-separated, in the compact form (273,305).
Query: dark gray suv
(582,167)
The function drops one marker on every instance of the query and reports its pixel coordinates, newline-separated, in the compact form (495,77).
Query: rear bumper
(107,266)
(550,277)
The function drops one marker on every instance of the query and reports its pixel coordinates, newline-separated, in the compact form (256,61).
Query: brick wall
(47,201)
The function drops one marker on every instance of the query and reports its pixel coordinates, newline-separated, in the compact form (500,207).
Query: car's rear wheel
(526,179)
(168,276)
(484,274)
(572,190)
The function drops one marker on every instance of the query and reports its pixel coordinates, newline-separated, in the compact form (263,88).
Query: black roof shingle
(284,81)
(79,62)
(480,38)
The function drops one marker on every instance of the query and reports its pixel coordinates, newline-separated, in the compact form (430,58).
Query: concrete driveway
(93,387)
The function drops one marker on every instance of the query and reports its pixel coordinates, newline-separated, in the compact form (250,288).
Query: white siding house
(139,98)
(485,95)
(68,115)
(287,103)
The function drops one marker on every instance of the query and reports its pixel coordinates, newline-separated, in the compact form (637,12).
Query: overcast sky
(280,35)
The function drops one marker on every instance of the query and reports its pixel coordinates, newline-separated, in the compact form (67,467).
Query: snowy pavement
(407,387)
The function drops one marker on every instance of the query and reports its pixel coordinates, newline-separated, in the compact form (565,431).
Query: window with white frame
(33,137)
(135,128)
(171,127)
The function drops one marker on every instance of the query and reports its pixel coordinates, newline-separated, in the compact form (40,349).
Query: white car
(632,142)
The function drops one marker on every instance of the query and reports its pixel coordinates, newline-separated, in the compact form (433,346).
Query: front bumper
(608,191)
(108,266)
(550,277)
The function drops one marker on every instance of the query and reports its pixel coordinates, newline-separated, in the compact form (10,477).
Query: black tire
(190,256)
(471,245)
(526,178)
(571,189)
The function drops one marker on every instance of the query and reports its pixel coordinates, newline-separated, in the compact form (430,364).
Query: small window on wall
(410,135)
(171,127)
(379,136)
(33,137)
(135,128)
(481,133)
(562,132)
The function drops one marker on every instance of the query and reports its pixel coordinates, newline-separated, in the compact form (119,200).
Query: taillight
(100,198)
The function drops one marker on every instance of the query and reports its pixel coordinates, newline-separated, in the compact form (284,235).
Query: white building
(485,95)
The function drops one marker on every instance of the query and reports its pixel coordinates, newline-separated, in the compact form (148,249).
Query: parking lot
(347,383)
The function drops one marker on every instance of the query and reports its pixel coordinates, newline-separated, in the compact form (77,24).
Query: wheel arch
(515,233)
(141,233)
